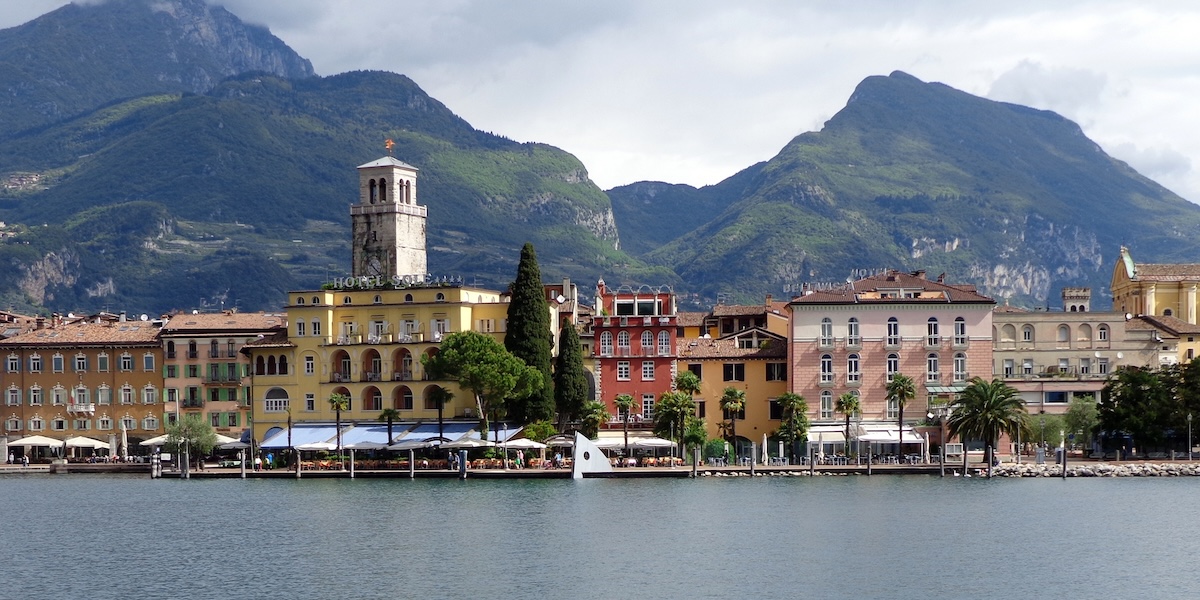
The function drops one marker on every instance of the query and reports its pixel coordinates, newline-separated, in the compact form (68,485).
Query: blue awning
(376,434)
(425,431)
(303,434)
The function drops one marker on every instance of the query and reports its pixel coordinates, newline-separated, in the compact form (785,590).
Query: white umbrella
(468,442)
(525,444)
(366,446)
(560,441)
(159,440)
(85,442)
(764,449)
(124,440)
(653,442)
(611,443)
(35,440)
(224,439)
(231,446)
(411,445)
(317,446)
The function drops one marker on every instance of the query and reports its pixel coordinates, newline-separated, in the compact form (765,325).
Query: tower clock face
(374,267)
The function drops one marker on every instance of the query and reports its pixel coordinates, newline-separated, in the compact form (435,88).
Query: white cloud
(693,92)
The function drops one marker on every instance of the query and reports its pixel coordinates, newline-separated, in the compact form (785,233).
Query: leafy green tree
(390,416)
(695,433)
(733,402)
(1139,403)
(595,414)
(339,402)
(570,378)
(901,389)
(793,425)
(848,405)
(985,410)
(540,430)
(529,338)
(1082,419)
(624,403)
(193,432)
(484,368)
(671,413)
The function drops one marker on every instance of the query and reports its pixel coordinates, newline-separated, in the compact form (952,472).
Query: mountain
(919,175)
(232,196)
(85,55)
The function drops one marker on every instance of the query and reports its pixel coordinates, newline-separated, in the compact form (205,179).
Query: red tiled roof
(689,319)
(279,339)
(1172,325)
(224,322)
(88,333)
(727,348)
(1161,272)
(738,310)
(853,293)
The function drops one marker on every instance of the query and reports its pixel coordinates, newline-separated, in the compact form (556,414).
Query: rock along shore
(1168,469)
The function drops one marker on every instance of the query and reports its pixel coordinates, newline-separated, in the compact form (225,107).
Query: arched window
(647,341)
(408,297)
(283,367)
(1008,333)
(1102,333)
(170,349)
(272,368)
(826,368)
(826,332)
(893,331)
(1063,338)
(403,399)
(346,300)
(852,337)
(214,349)
(383,190)
(440,297)
(960,367)
(300,300)
(373,192)
(1168,312)
(932,337)
(606,343)
(960,331)
(893,366)
(623,341)
(826,405)
(1027,334)
(664,343)
(1073,308)
(378,299)
(931,367)
(316,300)
(1085,332)
(852,373)
(372,399)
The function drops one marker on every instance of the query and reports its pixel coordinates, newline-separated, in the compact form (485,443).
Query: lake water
(81,536)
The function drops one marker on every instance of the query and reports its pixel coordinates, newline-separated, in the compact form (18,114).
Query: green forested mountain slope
(919,175)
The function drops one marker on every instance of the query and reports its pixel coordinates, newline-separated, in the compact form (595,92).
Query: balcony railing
(81,409)
(371,376)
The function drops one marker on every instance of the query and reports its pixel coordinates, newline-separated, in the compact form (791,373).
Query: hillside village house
(206,374)
(1054,357)
(93,377)
(857,337)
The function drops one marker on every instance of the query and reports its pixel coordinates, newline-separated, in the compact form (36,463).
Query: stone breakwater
(1005,470)
(1099,470)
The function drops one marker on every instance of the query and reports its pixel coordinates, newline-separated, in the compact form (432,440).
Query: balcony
(402,376)
(81,409)
(854,379)
(170,354)
(192,403)
(214,354)
(826,380)
(339,378)
(370,376)
(193,354)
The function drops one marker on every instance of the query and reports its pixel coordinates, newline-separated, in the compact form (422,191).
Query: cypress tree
(570,379)
(528,337)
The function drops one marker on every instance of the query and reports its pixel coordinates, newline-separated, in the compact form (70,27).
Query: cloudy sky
(693,91)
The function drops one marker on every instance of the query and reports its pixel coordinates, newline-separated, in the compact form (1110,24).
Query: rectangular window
(960,333)
(58,396)
(35,396)
(193,370)
(623,370)
(299,328)
(648,407)
(231,419)
(826,406)
(57,362)
(126,362)
(310,402)
(932,338)
(35,364)
(1085,366)
(700,412)
(149,395)
(82,424)
(172,371)
(853,375)
(696,368)
(102,363)
(14,364)
(734,371)
(893,410)
(104,396)
(775,412)
(776,371)
(172,395)
(126,395)
(214,395)
(1027,366)
(148,362)
(13,397)
(647,370)
(214,419)
(275,405)
(310,365)
(316,328)
(1102,366)
(1009,366)
(893,332)
(80,364)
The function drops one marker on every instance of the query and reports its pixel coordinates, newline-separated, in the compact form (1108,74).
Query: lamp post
(941,417)
(1189,437)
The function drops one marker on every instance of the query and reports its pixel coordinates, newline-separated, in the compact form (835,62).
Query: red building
(634,345)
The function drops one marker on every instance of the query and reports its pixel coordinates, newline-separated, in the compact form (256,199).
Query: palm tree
(848,405)
(594,415)
(901,389)
(985,410)
(390,415)
(733,401)
(624,404)
(793,426)
(339,402)
(671,413)
(440,396)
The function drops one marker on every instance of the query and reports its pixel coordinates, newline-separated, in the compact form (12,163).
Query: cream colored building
(1170,290)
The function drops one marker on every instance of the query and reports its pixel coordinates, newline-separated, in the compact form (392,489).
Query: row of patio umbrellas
(71,442)
(464,442)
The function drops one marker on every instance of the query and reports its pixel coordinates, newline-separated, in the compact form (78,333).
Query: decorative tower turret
(388,226)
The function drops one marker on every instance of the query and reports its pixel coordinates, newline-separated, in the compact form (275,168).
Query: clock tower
(387,225)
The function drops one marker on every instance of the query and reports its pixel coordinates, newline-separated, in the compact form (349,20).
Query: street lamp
(1189,437)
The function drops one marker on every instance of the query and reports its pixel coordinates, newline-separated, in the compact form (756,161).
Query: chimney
(40,323)
(122,316)
(768,300)
(941,278)
(919,273)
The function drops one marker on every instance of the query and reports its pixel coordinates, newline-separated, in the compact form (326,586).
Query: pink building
(855,338)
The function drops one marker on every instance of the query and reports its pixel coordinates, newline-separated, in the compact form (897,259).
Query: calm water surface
(81,536)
